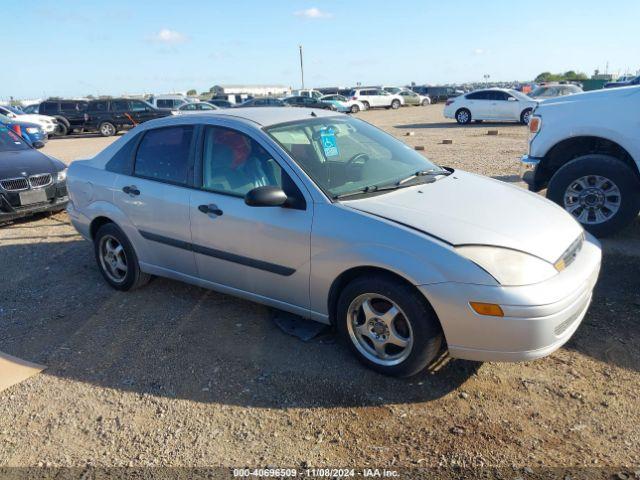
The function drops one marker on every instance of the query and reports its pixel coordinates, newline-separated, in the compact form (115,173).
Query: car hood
(34,117)
(594,95)
(464,209)
(22,163)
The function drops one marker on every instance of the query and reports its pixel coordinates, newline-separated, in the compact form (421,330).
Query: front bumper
(10,208)
(538,319)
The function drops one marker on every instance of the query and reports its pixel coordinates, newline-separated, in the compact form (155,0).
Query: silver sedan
(332,219)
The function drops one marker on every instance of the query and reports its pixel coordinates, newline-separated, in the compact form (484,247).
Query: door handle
(131,190)
(210,209)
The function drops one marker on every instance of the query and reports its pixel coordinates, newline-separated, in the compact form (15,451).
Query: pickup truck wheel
(525,116)
(463,116)
(107,129)
(61,130)
(117,259)
(388,325)
(599,191)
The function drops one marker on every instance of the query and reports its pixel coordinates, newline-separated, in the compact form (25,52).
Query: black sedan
(30,182)
(308,102)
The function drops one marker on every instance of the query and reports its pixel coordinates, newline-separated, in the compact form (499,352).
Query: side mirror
(38,144)
(266,197)
(513,99)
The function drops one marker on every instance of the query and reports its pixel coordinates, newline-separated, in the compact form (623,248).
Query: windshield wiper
(423,173)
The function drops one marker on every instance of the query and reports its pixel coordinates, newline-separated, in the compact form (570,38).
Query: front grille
(14,184)
(23,183)
(41,180)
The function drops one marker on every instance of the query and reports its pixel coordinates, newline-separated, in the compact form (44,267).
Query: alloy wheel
(379,329)
(592,199)
(113,258)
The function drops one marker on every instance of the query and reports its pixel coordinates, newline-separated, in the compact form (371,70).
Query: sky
(75,48)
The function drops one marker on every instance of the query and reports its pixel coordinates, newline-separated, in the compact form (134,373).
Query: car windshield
(9,141)
(345,155)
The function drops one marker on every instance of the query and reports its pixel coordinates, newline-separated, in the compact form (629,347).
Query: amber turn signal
(490,309)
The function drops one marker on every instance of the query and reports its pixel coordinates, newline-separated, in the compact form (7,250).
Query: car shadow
(175,340)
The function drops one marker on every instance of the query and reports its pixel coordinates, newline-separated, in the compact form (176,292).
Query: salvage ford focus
(330,218)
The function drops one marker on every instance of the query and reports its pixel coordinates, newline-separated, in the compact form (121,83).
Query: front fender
(344,239)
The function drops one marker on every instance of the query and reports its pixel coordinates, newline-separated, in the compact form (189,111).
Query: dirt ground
(176,375)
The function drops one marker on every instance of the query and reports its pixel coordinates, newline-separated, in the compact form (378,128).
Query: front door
(263,251)
(155,198)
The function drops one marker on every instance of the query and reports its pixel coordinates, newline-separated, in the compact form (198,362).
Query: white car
(168,102)
(197,107)
(47,123)
(343,104)
(585,150)
(498,104)
(373,97)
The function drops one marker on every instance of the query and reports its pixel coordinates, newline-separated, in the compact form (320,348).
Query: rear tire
(463,116)
(414,324)
(366,105)
(117,260)
(599,191)
(107,129)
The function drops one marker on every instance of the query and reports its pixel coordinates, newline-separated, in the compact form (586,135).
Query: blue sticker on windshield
(329,143)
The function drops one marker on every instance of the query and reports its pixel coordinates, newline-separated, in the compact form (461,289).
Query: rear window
(163,154)
(49,107)
(164,103)
(98,106)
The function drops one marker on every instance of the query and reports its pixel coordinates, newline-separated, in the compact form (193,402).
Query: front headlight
(62,175)
(509,267)
(32,130)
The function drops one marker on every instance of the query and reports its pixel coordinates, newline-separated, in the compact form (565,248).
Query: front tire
(525,116)
(117,260)
(395,104)
(463,116)
(599,191)
(388,325)
(366,105)
(355,108)
(107,129)
(425,102)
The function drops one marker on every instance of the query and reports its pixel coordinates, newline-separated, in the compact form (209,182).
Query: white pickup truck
(585,150)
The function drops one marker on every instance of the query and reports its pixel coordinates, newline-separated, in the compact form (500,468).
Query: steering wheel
(356,157)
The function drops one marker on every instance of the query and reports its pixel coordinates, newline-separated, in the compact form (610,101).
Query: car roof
(266,116)
(262,116)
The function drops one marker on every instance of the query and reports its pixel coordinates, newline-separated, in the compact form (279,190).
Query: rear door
(155,195)
(479,103)
(263,251)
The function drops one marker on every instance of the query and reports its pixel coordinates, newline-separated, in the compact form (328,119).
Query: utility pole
(301,66)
